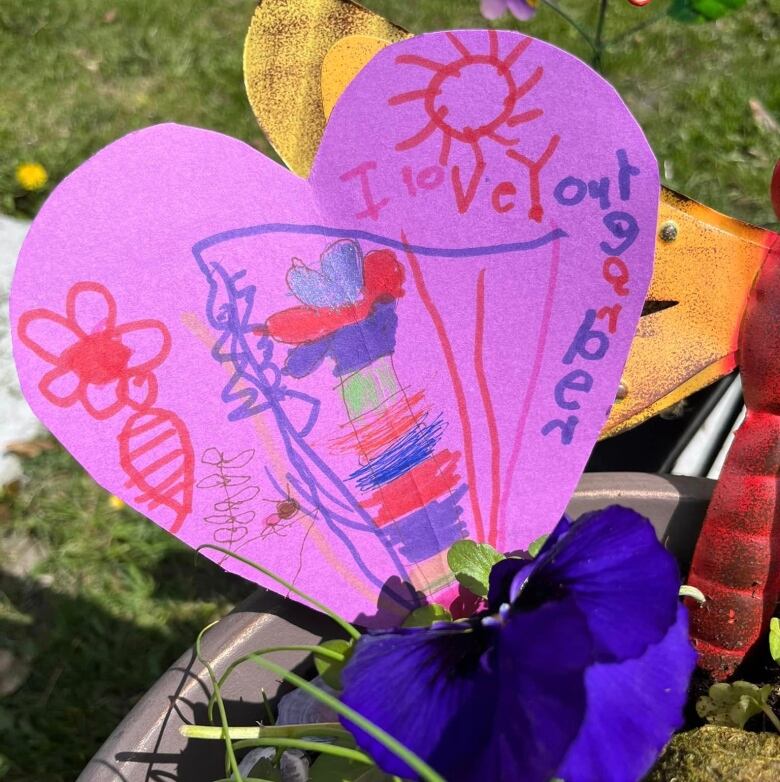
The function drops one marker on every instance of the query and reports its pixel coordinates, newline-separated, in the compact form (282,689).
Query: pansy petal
(517,582)
(102,401)
(60,386)
(48,334)
(91,307)
(633,709)
(502,574)
(622,578)
(509,713)
(522,9)
(342,265)
(149,342)
(493,9)
(563,527)
(540,663)
(420,685)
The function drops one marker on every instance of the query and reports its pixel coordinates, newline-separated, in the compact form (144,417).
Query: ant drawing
(288,510)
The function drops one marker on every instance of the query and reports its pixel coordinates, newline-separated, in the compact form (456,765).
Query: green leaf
(425,616)
(328,768)
(774,639)
(536,545)
(471,563)
(265,769)
(330,670)
(732,705)
(702,10)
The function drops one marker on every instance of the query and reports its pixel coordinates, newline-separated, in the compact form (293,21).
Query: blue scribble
(257,386)
(230,303)
(410,450)
(429,530)
(352,347)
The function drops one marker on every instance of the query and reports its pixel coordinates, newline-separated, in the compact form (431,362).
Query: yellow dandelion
(31,176)
(115,502)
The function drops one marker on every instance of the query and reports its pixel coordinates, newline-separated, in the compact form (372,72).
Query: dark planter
(147,744)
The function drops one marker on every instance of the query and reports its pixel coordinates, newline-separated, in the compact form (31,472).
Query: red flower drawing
(103,365)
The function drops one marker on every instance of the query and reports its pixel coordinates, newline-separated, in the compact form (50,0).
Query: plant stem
(343,623)
(232,762)
(598,48)
(328,729)
(693,593)
(771,716)
(308,746)
(571,21)
(417,764)
(318,651)
(653,19)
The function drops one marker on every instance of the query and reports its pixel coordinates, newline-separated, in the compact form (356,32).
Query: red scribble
(464,199)
(92,364)
(490,414)
(156,454)
(383,278)
(108,369)
(501,190)
(372,433)
(423,484)
(457,386)
(533,378)
(443,115)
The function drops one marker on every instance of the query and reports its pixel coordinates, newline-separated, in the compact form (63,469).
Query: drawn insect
(288,511)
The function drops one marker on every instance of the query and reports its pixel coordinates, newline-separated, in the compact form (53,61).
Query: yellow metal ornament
(283,54)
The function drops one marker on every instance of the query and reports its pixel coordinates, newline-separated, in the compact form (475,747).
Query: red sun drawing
(470,101)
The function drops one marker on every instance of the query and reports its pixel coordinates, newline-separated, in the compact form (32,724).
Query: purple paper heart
(338,377)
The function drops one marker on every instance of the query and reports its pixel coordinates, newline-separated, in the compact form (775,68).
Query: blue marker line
(344,233)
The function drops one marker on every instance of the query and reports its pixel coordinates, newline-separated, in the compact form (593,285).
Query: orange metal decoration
(705,266)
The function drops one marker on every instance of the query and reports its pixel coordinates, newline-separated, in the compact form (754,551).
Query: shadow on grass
(87,667)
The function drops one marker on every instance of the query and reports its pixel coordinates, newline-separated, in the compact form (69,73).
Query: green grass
(115,599)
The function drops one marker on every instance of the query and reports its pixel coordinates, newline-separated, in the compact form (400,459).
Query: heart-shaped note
(338,378)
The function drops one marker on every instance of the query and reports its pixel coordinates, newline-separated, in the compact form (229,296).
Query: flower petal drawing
(91,308)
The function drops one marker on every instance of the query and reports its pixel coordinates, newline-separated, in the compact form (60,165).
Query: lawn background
(105,600)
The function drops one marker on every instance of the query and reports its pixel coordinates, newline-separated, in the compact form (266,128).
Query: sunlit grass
(115,599)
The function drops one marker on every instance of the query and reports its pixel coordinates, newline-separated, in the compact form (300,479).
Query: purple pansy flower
(520,9)
(578,668)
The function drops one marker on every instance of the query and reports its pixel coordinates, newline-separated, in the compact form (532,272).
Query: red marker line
(457,386)
(490,414)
